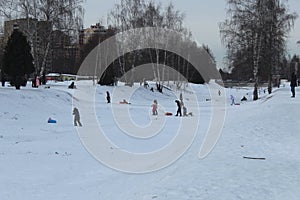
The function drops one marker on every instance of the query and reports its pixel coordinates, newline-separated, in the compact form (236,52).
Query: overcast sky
(202,17)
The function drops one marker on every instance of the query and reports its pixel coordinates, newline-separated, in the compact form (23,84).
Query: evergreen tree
(17,59)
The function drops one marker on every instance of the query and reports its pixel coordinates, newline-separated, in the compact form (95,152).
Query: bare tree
(132,14)
(255,34)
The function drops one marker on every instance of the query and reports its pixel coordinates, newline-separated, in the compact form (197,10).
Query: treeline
(136,14)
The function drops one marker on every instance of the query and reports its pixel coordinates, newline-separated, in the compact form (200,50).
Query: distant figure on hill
(107,96)
(146,85)
(3,82)
(293,84)
(244,99)
(72,86)
(76,117)
(178,108)
(2,79)
(37,81)
(154,107)
(33,82)
(43,79)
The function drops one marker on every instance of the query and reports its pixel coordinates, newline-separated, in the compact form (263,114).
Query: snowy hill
(48,161)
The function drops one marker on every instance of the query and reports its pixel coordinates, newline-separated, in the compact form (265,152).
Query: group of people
(181,109)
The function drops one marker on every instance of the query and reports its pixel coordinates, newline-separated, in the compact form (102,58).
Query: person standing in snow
(37,81)
(72,85)
(107,97)
(76,117)
(178,108)
(232,99)
(293,84)
(154,107)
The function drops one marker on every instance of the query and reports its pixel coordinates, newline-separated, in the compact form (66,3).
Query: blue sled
(52,121)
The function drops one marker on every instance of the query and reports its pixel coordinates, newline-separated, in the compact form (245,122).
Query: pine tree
(17,59)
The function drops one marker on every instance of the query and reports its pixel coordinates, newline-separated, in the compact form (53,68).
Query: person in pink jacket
(154,107)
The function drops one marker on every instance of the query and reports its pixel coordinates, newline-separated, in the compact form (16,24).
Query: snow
(49,161)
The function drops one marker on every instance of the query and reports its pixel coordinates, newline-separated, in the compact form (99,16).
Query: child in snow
(244,99)
(185,112)
(124,102)
(184,109)
(107,97)
(72,86)
(232,100)
(37,81)
(76,117)
(51,121)
(154,107)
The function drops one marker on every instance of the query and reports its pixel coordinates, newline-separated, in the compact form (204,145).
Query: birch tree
(255,34)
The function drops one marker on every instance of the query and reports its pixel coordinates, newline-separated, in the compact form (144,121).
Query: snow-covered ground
(48,161)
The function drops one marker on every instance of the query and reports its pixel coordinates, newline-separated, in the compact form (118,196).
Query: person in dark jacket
(107,96)
(178,108)
(293,84)
(76,117)
(72,86)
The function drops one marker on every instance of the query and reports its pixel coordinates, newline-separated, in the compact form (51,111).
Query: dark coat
(178,103)
(294,80)
(76,113)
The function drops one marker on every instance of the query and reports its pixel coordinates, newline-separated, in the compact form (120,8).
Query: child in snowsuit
(76,117)
(178,108)
(232,100)
(154,107)
(72,86)
(184,111)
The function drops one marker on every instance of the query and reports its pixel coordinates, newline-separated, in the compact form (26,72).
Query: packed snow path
(48,161)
